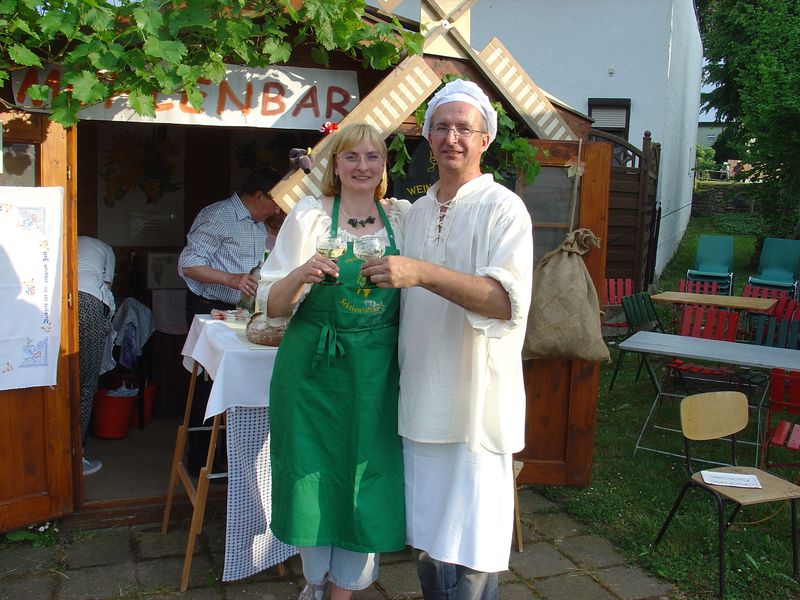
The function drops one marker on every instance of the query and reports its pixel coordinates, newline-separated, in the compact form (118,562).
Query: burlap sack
(564,318)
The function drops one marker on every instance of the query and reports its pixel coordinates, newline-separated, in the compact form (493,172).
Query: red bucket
(111,415)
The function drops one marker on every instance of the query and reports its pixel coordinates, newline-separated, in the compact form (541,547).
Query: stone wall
(718,200)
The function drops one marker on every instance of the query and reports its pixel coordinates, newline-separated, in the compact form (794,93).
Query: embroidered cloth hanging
(30,285)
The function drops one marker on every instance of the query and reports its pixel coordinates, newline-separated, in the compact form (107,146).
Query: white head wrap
(460,90)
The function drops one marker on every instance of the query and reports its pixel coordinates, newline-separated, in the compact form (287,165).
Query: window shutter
(609,117)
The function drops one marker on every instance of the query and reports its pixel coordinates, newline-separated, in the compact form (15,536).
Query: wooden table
(241,372)
(732,302)
(680,346)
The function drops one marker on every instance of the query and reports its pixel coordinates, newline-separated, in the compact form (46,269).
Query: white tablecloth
(241,372)
(239,368)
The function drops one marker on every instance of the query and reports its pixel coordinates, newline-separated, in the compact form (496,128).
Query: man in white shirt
(466,274)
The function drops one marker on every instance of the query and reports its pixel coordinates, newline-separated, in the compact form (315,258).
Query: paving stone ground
(560,561)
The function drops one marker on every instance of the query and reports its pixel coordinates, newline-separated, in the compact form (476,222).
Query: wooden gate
(634,214)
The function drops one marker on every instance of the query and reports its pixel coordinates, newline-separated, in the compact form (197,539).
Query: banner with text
(280,97)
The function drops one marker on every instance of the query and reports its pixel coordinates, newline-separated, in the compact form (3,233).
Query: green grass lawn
(630,496)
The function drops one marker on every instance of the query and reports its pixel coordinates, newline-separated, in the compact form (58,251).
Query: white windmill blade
(385,108)
(533,105)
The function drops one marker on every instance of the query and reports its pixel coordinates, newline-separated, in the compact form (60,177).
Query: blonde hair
(347,138)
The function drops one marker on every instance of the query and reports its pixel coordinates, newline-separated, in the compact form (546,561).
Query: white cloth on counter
(133,323)
(169,311)
(240,369)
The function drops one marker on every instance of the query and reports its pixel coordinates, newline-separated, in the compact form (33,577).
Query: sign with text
(421,173)
(280,97)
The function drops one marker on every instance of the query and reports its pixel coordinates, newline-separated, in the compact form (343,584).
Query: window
(711,138)
(612,115)
(19,164)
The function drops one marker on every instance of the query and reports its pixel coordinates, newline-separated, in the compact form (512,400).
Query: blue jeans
(445,581)
(345,568)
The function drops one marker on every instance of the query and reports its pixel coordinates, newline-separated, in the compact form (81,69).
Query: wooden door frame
(573,385)
(62,474)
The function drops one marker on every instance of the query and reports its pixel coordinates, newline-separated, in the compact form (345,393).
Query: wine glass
(366,248)
(331,246)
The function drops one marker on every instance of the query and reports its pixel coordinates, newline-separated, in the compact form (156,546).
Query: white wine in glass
(366,248)
(331,247)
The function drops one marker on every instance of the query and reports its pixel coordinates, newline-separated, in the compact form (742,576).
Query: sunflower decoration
(140,162)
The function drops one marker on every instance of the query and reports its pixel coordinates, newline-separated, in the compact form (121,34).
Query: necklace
(356,223)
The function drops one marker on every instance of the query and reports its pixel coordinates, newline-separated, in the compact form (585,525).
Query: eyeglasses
(442,131)
(352,158)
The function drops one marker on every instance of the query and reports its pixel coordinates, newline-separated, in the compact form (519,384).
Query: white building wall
(647,51)
(684,79)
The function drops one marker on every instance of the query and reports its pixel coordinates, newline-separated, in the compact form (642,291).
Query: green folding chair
(640,313)
(713,261)
(779,265)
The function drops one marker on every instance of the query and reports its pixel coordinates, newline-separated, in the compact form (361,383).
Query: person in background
(225,242)
(466,275)
(337,471)
(274,223)
(96,306)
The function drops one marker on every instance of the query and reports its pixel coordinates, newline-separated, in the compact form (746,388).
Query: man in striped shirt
(227,239)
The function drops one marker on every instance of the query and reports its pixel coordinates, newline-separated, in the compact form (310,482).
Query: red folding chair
(614,290)
(782,426)
(708,322)
(757,291)
(698,287)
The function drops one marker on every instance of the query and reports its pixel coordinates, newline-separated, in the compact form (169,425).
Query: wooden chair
(614,290)
(715,415)
(692,287)
(780,331)
(782,426)
(698,287)
(640,313)
(707,322)
(777,333)
(784,308)
(757,291)
(518,465)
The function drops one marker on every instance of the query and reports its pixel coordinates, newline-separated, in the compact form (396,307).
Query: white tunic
(462,397)
(460,372)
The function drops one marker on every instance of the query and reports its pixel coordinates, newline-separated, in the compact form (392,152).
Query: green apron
(337,462)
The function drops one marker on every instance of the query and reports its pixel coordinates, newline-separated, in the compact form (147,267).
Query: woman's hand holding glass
(331,248)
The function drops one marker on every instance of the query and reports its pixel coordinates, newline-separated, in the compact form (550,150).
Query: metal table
(678,346)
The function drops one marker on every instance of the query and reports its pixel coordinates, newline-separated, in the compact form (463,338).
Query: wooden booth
(138,184)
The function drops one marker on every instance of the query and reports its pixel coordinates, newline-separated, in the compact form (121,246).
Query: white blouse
(460,372)
(296,243)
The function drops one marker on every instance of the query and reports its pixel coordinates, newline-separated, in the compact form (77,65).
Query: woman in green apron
(337,472)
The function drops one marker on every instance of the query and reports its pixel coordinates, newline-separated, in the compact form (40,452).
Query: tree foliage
(142,47)
(752,48)
(704,161)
